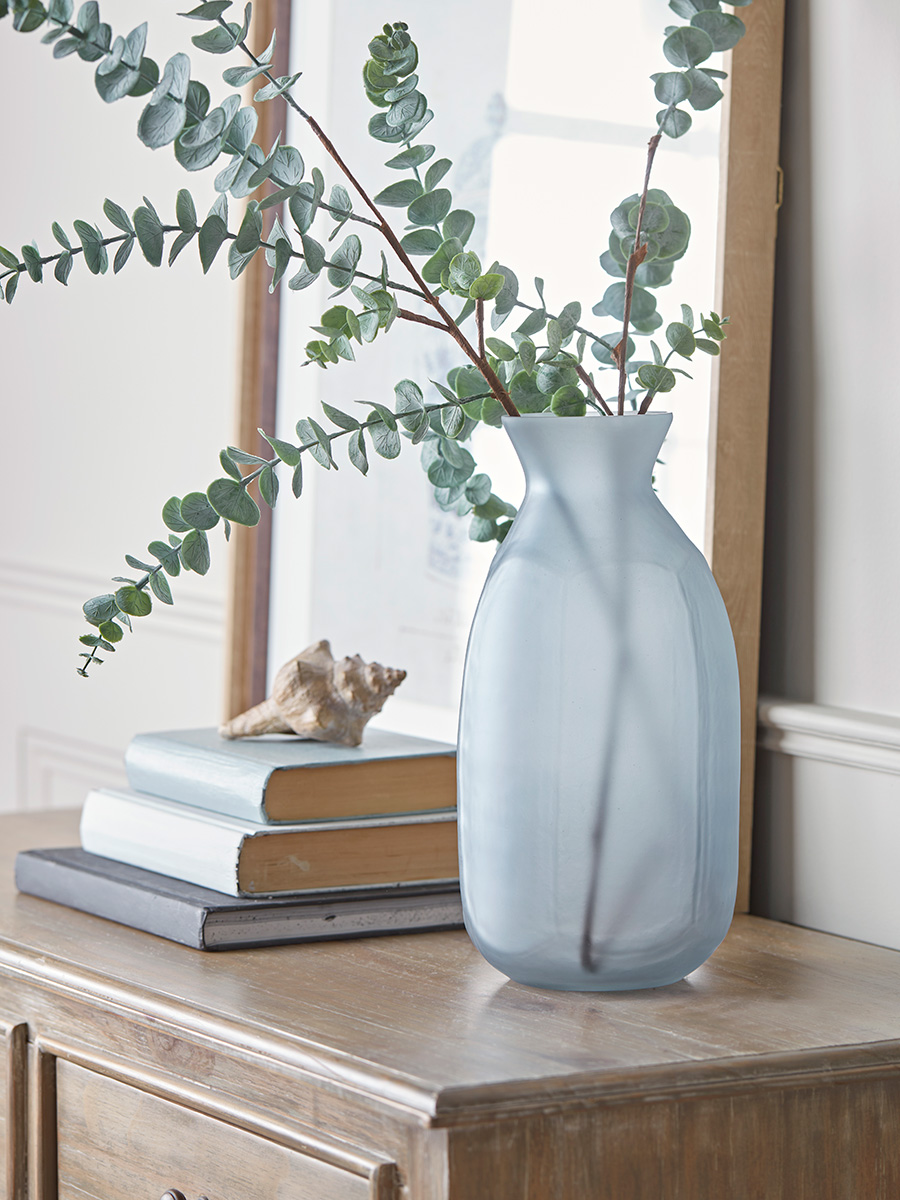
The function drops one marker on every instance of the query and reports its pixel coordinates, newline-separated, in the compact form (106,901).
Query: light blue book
(285,778)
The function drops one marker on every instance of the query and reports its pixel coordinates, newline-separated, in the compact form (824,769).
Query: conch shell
(317,697)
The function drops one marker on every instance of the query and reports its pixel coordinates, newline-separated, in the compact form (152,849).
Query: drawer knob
(174,1194)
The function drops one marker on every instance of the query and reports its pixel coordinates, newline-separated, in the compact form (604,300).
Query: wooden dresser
(406,1067)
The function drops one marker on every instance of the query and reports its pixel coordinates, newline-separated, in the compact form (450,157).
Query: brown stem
(451,327)
(479,321)
(637,256)
(592,388)
(417,317)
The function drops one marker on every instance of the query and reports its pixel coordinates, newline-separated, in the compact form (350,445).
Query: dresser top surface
(424,1018)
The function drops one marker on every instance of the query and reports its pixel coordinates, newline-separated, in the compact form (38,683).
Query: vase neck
(604,457)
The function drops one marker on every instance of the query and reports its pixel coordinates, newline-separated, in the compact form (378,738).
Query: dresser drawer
(116,1142)
(13,1046)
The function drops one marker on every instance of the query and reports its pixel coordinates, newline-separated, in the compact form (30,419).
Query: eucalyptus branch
(637,256)
(592,388)
(228,499)
(479,360)
(649,234)
(406,315)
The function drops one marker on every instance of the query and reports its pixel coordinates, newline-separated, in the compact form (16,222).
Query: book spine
(165,916)
(170,841)
(189,775)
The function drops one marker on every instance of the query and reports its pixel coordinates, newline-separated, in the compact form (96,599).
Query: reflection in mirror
(545,144)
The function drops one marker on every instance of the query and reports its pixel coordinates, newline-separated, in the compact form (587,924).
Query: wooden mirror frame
(739,408)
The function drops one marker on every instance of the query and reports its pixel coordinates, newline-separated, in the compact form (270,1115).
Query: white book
(248,858)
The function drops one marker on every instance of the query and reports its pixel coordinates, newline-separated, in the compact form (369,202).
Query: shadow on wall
(787,649)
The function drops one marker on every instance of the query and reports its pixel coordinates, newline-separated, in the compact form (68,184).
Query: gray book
(278,778)
(208,920)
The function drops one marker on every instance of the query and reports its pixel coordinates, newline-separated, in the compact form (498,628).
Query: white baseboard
(827,820)
(870,741)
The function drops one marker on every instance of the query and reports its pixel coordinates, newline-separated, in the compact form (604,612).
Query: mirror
(544,144)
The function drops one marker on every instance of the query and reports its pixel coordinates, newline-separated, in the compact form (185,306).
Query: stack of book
(219,844)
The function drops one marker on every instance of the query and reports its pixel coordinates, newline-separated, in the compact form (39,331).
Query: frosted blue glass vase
(599,740)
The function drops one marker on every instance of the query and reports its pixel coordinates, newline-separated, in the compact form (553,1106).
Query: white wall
(829,811)
(116,393)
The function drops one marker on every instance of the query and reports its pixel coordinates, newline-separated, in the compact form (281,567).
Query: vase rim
(549,416)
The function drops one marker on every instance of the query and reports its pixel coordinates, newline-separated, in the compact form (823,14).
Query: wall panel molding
(60,592)
(869,741)
(54,770)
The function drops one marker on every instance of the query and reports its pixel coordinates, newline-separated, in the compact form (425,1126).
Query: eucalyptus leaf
(159,585)
(213,233)
(672,87)
(458,224)
(171,515)
(197,512)
(231,501)
(724,29)
(656,378)
(681,338)
(149,232)
(431,208)
(168,557)
(486,287)
(400,194)
(195,551)
(344,261)
(688,46)
(356,449)
(133,601)
(705,92)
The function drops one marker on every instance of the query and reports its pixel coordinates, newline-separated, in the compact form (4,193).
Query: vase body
(599,740)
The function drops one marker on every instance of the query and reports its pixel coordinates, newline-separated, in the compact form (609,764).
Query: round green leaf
(195,551)
(486,287)
(100,609)
(705,92)
(723,29)
(525,393)
(687,46)
(431,208)
(656,218)
(458,224)
(674,122)
(551,378)
(112,631)
(401,194)
(161,589)
(656,378)
(707,346)
(464,270)
(673,240)
(672,87)
(197,512)
(421,241)
(603,354)
(230,500)
(171,515)
(643,303)
(681,338)
(133,601)
(568,402)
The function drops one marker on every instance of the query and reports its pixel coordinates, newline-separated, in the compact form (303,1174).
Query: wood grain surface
(13,1110)
(739,417)
(118,1143)
(406,1066)
(422,1022)
(248,609)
